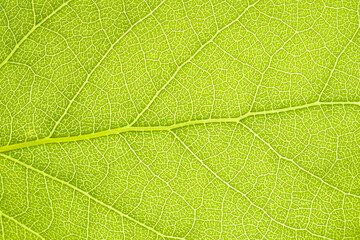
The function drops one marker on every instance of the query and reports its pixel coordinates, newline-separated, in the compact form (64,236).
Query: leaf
(180,119)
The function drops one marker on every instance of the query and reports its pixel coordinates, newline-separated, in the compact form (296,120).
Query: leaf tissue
(179,119)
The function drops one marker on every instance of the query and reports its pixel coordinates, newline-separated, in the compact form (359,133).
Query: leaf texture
(169,119)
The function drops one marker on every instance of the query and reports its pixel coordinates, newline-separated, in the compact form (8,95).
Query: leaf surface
(179,119)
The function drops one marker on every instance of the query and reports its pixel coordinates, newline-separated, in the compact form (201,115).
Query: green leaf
(180,119)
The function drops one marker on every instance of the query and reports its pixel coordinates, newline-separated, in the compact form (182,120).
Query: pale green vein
(97,65)
(34,13)
(2,227)
(341,53)
(297,165)
(20,224)
(337,60)
(238,191)
(158,177)
(119,130)
(185,62)
(31,31)
(268,66)
(84,193)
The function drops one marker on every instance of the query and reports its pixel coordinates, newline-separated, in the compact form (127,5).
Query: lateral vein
(81,191)
(30,32)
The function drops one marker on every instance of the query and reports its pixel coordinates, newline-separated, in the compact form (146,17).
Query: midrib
(124,129)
